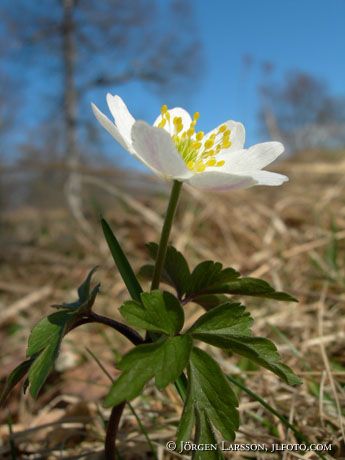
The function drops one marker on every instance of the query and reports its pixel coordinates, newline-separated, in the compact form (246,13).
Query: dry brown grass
(283,235)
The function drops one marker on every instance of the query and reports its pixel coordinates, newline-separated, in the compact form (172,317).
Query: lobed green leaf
(164,360)
(208,275)
(228,326)
(252,287)
(226,319)
(209,301)
(210,394)
(158,311)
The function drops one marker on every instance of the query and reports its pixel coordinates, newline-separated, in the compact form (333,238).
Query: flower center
(197,151)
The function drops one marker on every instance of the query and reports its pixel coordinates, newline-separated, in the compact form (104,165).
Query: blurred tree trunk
(73,187)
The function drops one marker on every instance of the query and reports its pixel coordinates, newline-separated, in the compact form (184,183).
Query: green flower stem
(181,382)
(163,243)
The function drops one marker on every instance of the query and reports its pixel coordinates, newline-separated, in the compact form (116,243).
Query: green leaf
(158,311)
(15,376)
(175,271)
(209,301)
(208,275)
(44,344)
(49,330)
(121,262)
(206,436)
(227,319)
(258,349)
(42,367)
(85,298)
(228,327)
(164,360)
(84,288)
(210,394)
(146,272)
(253,287)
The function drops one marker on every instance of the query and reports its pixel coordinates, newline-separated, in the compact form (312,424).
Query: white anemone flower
(173,149)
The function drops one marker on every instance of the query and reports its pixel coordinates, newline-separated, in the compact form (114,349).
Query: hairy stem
(163,243)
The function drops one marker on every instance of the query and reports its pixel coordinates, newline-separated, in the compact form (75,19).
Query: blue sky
(303,35)
(306,35)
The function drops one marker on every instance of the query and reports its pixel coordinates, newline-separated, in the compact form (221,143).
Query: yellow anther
(197,152)
(226,144)
(209,143)
(208,153)
(200,167)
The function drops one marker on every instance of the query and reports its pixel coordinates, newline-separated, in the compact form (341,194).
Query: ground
(292,236)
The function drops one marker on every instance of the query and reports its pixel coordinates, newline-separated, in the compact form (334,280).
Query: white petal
(256,157)
(123,119)
(268,178)
(155,149)
(176,112)
(109,126)
(220,181)
(237,134)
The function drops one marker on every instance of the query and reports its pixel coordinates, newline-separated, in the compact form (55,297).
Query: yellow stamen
(197,152)
(200,167)
(209,143)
